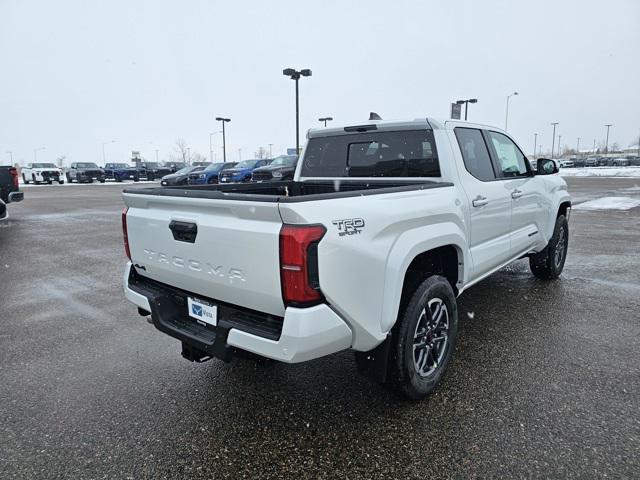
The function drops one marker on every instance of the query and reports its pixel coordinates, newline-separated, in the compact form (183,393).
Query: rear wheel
(424,339)
(549,263)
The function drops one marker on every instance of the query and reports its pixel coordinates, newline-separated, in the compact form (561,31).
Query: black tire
(102,180)
(33,179)
(68,178)
(49,182)
(24,179)
(117,178)
(417,360)
(136,179)
(548,263)
(61,182)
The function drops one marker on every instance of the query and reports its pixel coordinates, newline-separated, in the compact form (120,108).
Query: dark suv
(120,172)
(152,170)
(85,172)
(281,168)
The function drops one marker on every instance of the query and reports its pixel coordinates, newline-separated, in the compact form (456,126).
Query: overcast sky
(75,74)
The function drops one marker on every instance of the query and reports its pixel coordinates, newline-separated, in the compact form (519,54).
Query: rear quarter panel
(361,275)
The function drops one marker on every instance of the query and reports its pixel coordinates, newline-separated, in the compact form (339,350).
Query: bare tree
(261,153)
(181,149)
(198,157)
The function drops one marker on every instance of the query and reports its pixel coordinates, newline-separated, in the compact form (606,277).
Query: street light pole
(224,139)
(535,141)
(578,147)
(295,75)
(211,147)
(239,154)
(35,153)
(553,140)
(156,155)
(325,120)
(104,155)
(506,116)
(10,156)
(466,104)
(606,145)
(270,150)
(188,155)
(559,146)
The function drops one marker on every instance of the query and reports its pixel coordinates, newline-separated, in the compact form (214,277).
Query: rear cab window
(385,154)
(475,153)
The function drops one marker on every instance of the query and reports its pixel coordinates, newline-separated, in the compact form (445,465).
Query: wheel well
(563,208)
(440,261)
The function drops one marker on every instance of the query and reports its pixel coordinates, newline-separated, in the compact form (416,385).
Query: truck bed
(290,191)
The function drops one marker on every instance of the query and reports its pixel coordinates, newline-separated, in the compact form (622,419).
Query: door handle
(516,193)
(479,201)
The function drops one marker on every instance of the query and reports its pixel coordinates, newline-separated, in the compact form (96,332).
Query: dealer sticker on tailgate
(202,311)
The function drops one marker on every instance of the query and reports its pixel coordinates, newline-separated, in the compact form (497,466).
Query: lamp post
(559,146)
(156,155)
(553,140)
(466,104)
(606,145)
(224,140)
(35,153)
(295,75)
(506,116)
(104,155)
(270,150)
(188,155)
(239,154)
(10,156)
(578,148)
(325,120)
(535,141)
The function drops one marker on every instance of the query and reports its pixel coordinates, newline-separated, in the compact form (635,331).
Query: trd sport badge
(349,226)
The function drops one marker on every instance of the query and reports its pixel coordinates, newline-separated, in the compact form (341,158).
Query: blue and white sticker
(202,311)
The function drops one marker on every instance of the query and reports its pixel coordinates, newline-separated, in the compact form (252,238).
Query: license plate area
(205,313)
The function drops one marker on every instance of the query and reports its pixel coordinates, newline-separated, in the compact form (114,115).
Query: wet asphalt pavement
(545,381)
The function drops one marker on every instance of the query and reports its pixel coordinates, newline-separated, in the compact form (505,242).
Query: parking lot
(545,381)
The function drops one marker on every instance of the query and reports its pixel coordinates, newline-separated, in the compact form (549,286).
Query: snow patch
(600,172)
(609,203)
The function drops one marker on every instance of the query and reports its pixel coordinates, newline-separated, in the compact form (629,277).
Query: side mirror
(546,166)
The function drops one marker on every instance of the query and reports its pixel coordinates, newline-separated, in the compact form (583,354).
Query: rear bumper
(302,334)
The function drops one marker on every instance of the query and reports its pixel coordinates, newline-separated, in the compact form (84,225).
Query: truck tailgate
(234,256)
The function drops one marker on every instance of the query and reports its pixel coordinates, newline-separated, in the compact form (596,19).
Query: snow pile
(600,172)
(609,203)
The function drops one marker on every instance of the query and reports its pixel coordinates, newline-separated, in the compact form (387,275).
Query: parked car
(85,172)
(241,172)
(9,189)
(591,162)
(579,162)
(620,162)
(634,161)
(120,172)
(42,173)
(602,162)
(566,163)
(210,174)
(151,170)
(281,168)
(174,166)
(367,259)
(181,177)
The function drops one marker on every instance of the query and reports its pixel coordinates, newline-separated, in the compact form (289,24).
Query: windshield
(284,161)
(44,165)
(86,165)
(151,165)
(185,170)
(214,167)
(380,154)
(119,165)
(246,164)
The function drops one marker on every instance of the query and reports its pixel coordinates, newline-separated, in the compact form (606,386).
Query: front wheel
(24,179)
(61,182)
(548,263)
(424,339)
(117,178)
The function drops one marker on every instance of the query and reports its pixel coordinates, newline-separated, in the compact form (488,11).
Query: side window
(474,153)
(511,161)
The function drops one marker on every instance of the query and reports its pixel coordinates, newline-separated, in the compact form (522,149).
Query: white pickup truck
(367,248)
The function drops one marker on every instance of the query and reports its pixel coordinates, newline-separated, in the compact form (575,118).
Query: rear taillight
(299,264)
(125,235)
(14,176)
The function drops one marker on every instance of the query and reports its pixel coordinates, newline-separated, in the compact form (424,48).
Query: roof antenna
(374,116)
